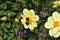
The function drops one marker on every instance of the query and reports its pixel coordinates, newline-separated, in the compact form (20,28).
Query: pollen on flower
(56,24)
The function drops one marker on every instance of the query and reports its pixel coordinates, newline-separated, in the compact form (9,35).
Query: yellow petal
(53,31)
(59,3)
(35,18)
(26,12)
(55,16)
(50,19)
(49,25)
(23,21)
(54,6)
(26,26)
(31,27)
(34,24)
(31,12)
(57,35)
(59,27)
(55,2)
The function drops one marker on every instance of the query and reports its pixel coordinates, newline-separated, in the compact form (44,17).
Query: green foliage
(13,8)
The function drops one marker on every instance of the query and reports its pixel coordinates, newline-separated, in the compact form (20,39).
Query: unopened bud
(17,20)
(3,18)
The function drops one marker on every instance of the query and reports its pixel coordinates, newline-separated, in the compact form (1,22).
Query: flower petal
(59,27)
(23,21)
(53,31)
(32,12)
(34,24)
(55,16)
(55,2)
(26,26)
(49,25)
(35,18)
(23,16)
(26,12)
(50,19)
(31,27)
(54,6)
(57,35)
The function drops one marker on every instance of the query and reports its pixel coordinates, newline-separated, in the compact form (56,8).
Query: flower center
(56,24)
(28,20)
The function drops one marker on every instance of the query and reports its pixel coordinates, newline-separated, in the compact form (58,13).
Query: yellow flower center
(56,24)
(28,20)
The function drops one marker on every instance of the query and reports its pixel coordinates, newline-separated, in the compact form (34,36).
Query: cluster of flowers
(53,22)
(29,20)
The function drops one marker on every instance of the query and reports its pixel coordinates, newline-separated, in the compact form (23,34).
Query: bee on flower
(56,4)
(53,24)
(29,19)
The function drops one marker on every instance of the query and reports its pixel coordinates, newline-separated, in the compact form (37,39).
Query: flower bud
(3,18)
(16,20)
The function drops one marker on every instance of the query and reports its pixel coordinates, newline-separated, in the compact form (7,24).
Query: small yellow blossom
(56,4)
(29,19)
(3,18)
(16,20)
(53,23)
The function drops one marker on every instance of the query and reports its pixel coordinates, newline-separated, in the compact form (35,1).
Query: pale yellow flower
(56,4)
(29,19)
(53,23)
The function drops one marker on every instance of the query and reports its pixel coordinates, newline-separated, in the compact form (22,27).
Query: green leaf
(2,12)
(8,2)
(2,25)
(1,38)
(7,25)
(11,35)
(3,6)
(5,36)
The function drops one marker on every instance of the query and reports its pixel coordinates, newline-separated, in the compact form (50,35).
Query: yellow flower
(53,23)
(16,20)
(56,4)
(29,19)
(3,18)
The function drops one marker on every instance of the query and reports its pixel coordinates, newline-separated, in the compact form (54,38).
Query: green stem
(15,34)
(3,34)
(18,7)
